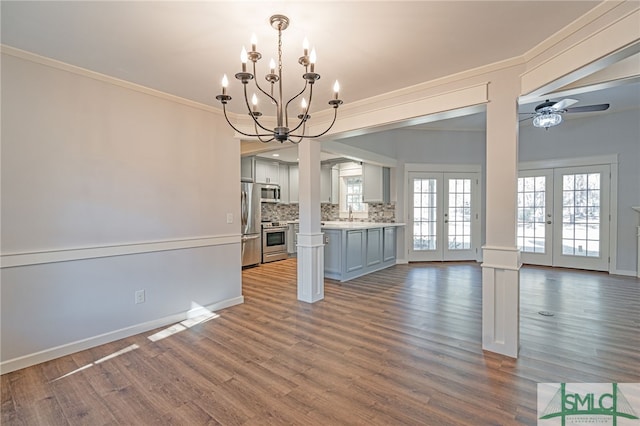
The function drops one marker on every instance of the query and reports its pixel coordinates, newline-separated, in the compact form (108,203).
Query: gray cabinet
(351,253)
(335,185)
(247,167)
(374,246)
(372,183)
(332,253)
(354,253)
(329,184)
(325,184)
(267,171)
(283,180)
(293,184)
(389,244)
(376,181)
(292,238)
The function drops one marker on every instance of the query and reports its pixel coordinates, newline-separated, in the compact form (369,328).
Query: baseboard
(80,345)
(624,272)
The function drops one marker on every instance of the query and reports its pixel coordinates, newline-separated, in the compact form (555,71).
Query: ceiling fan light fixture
(547,119)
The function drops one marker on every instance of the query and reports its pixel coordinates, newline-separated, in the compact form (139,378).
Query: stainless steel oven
(274,242)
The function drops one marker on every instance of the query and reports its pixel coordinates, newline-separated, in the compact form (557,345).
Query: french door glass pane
(531,214)
(581,214)
(424,214)
(459,214)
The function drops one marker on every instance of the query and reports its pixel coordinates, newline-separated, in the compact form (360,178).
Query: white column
(310,241)
(637,208)
(638,267)
(501,259)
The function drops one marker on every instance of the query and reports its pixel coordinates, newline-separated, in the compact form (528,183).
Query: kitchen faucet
(350,214)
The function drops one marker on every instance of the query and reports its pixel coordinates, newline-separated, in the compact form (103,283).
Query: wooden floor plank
(400,346)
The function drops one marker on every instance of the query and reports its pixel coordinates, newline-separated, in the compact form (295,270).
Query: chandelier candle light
(282,132)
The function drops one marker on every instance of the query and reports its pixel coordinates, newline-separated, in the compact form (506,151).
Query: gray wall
(587,136)
(124,185)
(593,135)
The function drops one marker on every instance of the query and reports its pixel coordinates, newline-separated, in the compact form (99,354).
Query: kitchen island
(354,249)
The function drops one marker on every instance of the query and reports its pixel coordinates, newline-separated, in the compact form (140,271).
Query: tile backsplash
(279,212)
(378,212)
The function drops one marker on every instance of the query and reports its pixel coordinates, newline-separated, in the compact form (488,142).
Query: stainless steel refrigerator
(250,218)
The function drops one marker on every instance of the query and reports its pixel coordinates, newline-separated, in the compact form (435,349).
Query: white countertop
(358,225)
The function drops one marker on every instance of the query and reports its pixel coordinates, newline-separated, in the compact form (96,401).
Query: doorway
(563,217)
(443,216)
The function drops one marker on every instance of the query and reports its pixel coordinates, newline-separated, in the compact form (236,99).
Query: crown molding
(62,66)
(611,42)
(569,30)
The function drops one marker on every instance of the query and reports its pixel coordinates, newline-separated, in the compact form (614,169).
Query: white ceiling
(371,47)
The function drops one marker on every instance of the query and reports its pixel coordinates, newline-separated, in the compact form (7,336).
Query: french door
(443,216)
(535,217)
(563,217)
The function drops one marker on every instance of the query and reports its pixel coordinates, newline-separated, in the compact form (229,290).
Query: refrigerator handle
(245,208)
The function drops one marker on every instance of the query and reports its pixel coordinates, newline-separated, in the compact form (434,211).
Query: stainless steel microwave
(270,193)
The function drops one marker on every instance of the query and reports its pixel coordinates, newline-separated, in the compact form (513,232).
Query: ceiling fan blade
(563,104)
(588,108)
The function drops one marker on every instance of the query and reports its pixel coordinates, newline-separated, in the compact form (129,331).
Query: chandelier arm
(260,136)
(286,108)
(335,115)
(255,80)
(299,137)
(306,112)
(239,131)
(253,117)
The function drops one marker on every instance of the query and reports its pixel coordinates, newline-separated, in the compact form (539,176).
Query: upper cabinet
(325,184)
(293,184)
(284,184)
(267,171)
(335,185)
(372,183)
(246,167)
(329,184)
(271,172)
(375,179)
(376,183)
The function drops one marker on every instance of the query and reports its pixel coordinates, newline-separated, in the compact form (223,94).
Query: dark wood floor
(398,347)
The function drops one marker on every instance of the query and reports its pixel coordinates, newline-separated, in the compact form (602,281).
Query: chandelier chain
(280,106)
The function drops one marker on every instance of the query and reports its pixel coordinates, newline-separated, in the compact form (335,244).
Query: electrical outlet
(139,296)
(229,217)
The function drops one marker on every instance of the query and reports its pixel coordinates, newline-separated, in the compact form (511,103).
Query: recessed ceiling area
(371,47)
(290,155)
(621,96)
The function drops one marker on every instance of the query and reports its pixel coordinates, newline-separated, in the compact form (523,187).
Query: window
(354,194)
(351,192)
(532,210)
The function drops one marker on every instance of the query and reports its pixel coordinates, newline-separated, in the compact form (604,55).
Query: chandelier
(282,131)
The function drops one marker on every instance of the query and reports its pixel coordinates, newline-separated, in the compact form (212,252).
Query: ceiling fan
(549,113)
